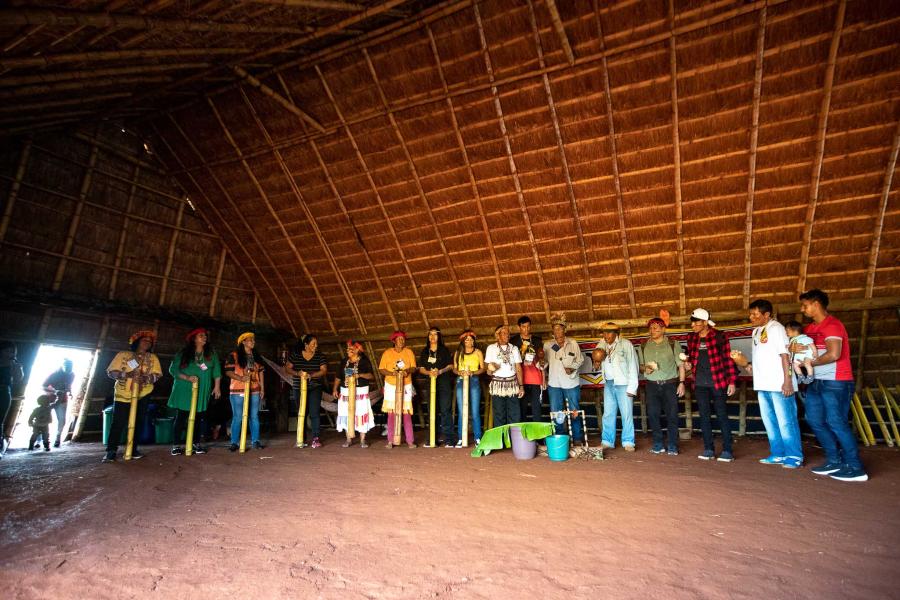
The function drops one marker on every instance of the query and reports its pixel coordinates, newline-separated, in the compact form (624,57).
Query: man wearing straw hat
(620,384)
(563,357)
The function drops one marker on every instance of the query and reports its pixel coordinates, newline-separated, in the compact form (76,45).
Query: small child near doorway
(40,422)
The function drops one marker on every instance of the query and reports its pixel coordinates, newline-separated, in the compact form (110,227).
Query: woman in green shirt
(198,362)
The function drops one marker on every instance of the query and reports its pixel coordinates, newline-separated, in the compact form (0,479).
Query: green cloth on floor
(497,438)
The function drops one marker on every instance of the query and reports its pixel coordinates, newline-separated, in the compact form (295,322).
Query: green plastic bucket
(558,447)
(165,430)
(107,426)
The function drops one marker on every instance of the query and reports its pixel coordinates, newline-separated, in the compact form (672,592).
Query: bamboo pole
(374,187)
(464,415)
(742,414)
(247,230)
(559,27)
(754,145)
(861,349)
(471,175)
(92,74)
(498,109)
(86,85)
(889,407)
(59,17)
(132,418)
(13,195)
(336,5)
(611,136)
(882,209)
(301,413)
(123,233)
(570,189)
(170,256)
(265,198)
(301,201)
(418,184)
(821,135)
(281,100)
(73,224)
(864,418)
(245,410)
(192,416)
(50,60)
(676,145)
(857,422)
(879,419)
(22,37)
(215,292)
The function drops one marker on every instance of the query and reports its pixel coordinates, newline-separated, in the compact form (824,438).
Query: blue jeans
(827,412)
(779,415)
(615,397)
(237,411)
(573,395)
(474,401)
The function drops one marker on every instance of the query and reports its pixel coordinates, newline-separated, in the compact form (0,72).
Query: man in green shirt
(665,384)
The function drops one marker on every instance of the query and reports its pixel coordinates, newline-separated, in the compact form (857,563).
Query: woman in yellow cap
(135,367)
(243,365)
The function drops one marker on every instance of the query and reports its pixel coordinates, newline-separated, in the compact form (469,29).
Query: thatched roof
(467,162)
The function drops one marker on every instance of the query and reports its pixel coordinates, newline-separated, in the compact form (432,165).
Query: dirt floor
(435,523)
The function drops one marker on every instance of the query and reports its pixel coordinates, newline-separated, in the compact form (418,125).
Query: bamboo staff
(132,412)
(881,425)
(864,419)
(464,415)
(245,411)
(569,422)
(431,407)
(399,381)
(889,410)
(351,405)
(301,413)
(192,416)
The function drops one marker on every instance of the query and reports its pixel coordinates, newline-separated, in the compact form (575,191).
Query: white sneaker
(459,444)
(606,445)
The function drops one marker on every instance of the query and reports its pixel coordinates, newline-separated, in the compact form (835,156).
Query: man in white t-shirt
(772,380)
(504,364)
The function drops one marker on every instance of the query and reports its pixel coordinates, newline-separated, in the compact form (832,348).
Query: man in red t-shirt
(828,398)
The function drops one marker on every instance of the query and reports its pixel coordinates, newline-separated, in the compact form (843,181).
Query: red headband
(467,333)
(397,334)
(656,320)
(194,333)
(145,333)
(357,345)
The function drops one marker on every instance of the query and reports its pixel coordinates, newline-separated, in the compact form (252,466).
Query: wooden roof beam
(50,60)
(560,30)
(498,109)
(284,102)
(334,5)
(882,209)
(570,190)
(820,146)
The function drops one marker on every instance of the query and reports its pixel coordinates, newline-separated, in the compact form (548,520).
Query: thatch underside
(478,161)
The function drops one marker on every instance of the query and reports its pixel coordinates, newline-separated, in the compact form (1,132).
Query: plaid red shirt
(724,371)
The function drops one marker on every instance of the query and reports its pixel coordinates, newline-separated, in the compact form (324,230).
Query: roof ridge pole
(475,193)
(754,144)
(613,152)
(676,144)
(265,198)
(345,289)
(123,234)
(570,189)
(371,181)
(415,174)
(820,146)
(202,191)
(495,94)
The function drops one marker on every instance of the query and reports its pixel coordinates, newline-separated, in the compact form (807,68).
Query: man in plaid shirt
(709,355)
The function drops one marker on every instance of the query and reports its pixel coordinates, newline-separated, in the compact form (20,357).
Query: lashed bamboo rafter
(145,9)
(676,146)
(284,102)
(170,255)
(418,183)
(887,182)
(20,107)
(74,86)
(219,270)
(14,188)
(335,5)
(49,60)
(196,10)
(93,74)
(754,144)
(498,109)
(237,239)
(614,156)
(76,221)
(265,198)
(22,37)
(374,187)
(489,243)
(570,190)
(821,134)
(301,201)
(560,30)
(70,18)
(123,232)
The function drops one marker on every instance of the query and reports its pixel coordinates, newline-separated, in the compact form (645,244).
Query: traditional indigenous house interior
(224,218)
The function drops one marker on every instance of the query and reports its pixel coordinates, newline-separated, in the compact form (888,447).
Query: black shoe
(258,446)
(135,455)
(827,469)
(850,474)
(109,457)
(198,449)
(177,451)
(233,448)
(56,444)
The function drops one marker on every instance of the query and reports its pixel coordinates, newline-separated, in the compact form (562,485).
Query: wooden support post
(642,401)
(754,144)
(676,144)
(170,256)
(688,414)
(861,350)
(76,220)
(742,415)
(14,190)
(215,293)
(123,233)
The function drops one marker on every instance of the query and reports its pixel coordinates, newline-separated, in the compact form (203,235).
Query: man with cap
(620,384)
(665,384)
(563,357)
(397,364)
(709,356)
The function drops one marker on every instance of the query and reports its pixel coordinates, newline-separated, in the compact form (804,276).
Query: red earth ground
(435,523)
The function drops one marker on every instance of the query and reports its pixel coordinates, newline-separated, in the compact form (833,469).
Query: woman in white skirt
(358,365)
